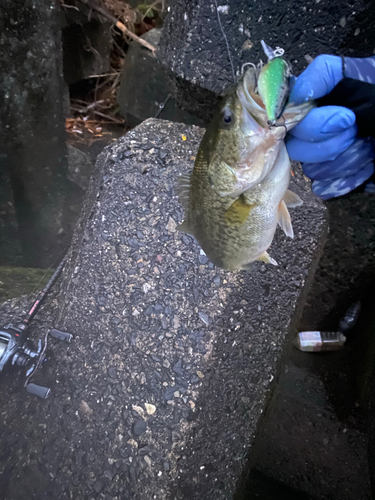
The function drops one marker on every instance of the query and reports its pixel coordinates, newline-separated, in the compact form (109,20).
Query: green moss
(17,281)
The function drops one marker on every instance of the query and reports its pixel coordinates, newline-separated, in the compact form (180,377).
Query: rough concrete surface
(80,166)
(86,42)
(145,90)
(314,436)
(305,443)
(160,393)
(347,265)
(32,135)
(194,49)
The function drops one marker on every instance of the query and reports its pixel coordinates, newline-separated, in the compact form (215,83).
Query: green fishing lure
(273,83)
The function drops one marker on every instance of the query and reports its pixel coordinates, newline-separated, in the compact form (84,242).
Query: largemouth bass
(238,191)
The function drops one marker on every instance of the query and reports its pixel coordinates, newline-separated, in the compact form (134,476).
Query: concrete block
(194,49)
(86,43)
(32,134)
(173,360)
(145,87)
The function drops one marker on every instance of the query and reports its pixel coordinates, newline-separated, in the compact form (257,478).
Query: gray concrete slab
(173,361)
(32,134)
(145,90)
(195,51)
(304,444)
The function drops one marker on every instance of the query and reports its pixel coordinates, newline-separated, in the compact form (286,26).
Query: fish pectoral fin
(292,199)
(185,228)
(238,212)
(183,190)
(284,220)
(265,257)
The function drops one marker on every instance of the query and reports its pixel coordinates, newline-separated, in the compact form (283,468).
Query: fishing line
(162,106)
(49,269)
(226,41)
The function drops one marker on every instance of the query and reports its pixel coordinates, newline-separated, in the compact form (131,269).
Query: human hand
(326,141)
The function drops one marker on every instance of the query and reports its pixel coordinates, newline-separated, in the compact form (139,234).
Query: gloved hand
(326,141)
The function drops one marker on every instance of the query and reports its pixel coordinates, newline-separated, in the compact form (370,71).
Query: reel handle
(59,335)
(38,390)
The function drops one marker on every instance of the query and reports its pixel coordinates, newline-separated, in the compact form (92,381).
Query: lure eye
(227,117)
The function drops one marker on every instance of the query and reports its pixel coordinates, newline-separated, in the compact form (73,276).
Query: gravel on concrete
(173,361)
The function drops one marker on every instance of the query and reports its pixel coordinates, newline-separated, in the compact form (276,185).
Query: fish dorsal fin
(238,212)
(183,190)
(284,220)
(292,199)
(265,257)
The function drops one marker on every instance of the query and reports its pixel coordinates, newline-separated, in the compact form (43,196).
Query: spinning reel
(16,350)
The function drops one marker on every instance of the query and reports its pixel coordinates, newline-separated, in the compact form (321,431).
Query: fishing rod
(17,351)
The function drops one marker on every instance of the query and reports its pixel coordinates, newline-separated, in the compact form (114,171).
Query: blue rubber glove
(326,140)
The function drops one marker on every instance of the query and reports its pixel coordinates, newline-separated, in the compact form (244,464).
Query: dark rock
(108,474)
(144,450)
(145,90)
(10,248)
(98,485)
(194,49)
(168,311)
(139,427)
(203,259)
(32,134)
(80,168)
(112,372)
(155,358)
(169,393)
(86,42)
(149,310)
(163,153)
(134,242)
(177,368)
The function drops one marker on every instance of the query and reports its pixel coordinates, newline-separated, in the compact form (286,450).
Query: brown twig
(108,117)
(119,25)
(90,106)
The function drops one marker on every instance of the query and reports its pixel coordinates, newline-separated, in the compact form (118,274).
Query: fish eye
(227,116)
